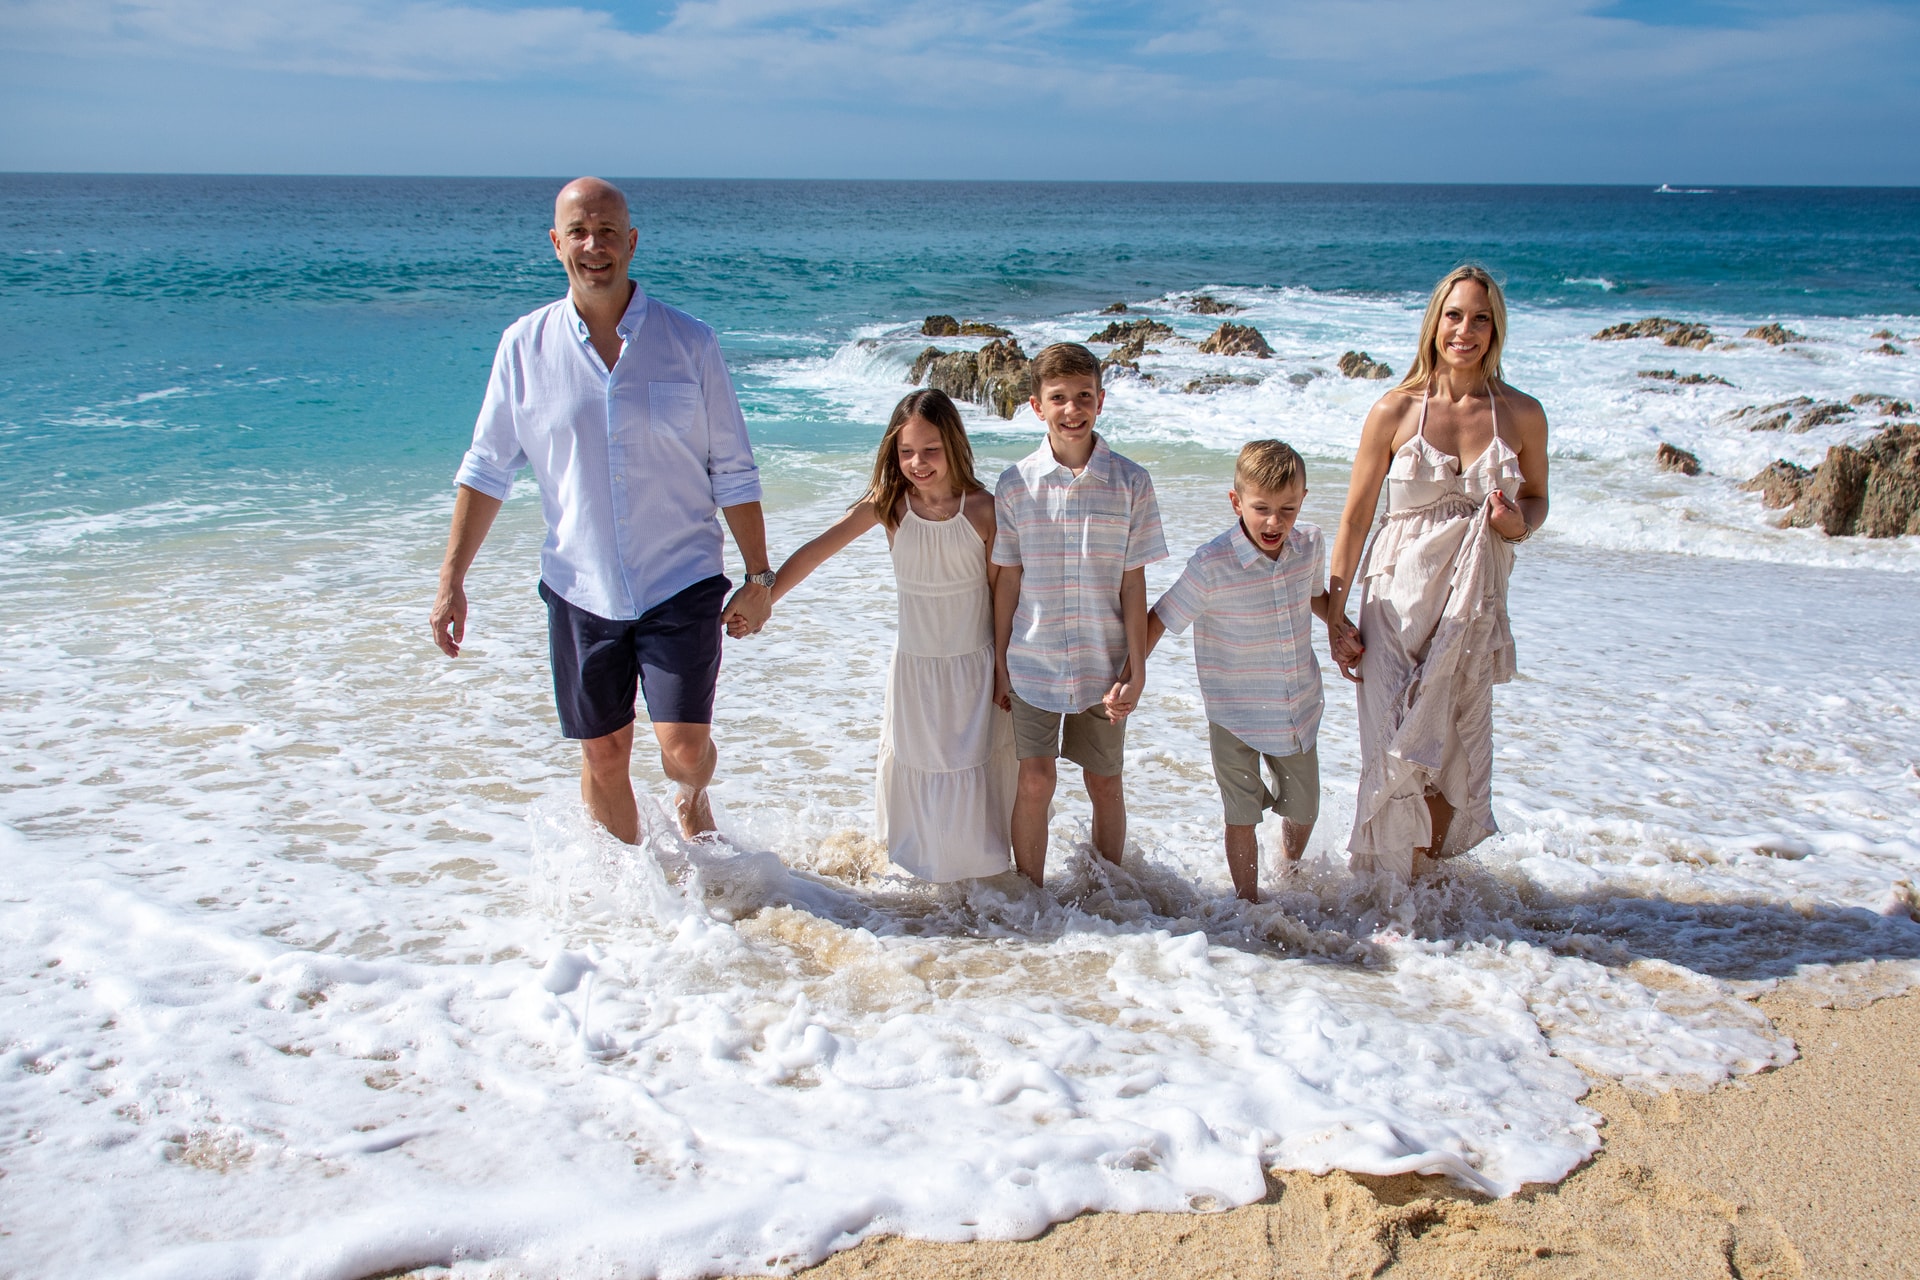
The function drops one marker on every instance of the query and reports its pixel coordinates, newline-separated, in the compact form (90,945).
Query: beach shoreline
(1797,1171)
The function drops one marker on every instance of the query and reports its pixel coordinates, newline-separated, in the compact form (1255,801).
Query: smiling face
(1465,334)
(594,240)
(922,456)
(1069,405)
(1268,515)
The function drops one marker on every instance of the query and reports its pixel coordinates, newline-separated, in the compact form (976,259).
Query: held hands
(1343,640)
(1505,518)
(1124,696)
(748,611)
(1002,687)
(449,617)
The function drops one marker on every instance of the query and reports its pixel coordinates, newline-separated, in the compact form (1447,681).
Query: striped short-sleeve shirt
(1072,537)
(1252,622)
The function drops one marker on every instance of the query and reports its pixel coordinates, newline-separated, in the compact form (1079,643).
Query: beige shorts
(1087,738)
(1294,792)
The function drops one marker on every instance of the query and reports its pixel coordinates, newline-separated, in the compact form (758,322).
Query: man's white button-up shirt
(1073,537)
(632,465)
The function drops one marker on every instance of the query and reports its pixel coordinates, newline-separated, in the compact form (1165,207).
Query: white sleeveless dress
(943,791)
(1434,622)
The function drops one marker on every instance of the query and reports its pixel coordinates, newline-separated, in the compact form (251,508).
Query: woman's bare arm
(1370,463)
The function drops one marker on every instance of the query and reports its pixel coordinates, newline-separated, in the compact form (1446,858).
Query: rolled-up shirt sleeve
(1185,600)
(730,466)
(495,456)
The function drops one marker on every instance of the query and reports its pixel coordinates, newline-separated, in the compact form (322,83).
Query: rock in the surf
(1674,333)
(1685,379)
(1888,334)
(1232,339)
(1822,414)
(1213,382)
(1871,492)
(1358,364)
(995,376)
(948,327)
(1122,332)
(1670,458)
(1114,309)
(1776,335)
(1205,304)
(1886,406)
(1886,349)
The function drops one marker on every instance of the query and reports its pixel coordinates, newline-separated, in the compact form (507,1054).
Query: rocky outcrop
(1114,309)
(1126,331)
(1776,335)
(1232,339)
(1887,334)
(1358,364)
(1886,406)
(1886,349)
(1801,413)
(1213,382)
(1870,492)
(1205,304)
(1674,333)
(948,327)
(1670,458)
(995,376)
(1686,379)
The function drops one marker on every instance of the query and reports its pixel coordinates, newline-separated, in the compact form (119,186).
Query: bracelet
(1514,542)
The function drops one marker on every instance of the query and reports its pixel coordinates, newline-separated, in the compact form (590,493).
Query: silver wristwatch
(765,578)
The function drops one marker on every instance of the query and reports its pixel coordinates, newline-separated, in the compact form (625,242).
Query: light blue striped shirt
(1073,538)
(1252,622)
(632,465)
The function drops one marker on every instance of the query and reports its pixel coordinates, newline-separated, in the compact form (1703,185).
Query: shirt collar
(1041,461)
(1249,555)
(630,320)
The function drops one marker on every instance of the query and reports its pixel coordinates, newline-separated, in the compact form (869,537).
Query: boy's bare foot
(695,814)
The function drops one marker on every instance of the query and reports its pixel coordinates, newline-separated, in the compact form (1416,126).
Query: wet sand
(1809,1170)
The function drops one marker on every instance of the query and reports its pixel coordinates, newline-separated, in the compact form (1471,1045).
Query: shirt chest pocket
(674,407)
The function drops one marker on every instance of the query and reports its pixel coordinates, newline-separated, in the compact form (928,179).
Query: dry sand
(1810,1170)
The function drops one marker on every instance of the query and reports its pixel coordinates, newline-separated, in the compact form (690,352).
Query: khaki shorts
(1087,738)
(1295,790)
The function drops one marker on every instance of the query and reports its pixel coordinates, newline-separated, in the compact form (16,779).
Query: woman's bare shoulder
(1523,407)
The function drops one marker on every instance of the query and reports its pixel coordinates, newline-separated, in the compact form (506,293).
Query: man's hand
(1124,696)
(1343,640)
(449,617)
(1504,517)
(748,611)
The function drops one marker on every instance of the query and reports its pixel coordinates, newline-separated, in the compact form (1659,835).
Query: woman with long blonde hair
(944,784)
(1464,458)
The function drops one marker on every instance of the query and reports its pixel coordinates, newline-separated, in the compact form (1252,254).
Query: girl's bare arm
(812,555)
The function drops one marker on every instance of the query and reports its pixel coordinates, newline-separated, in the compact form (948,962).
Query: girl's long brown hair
(889,482)
(1428,356)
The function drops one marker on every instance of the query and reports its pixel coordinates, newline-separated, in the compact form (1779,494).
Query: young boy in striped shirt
(1075,527)
(1250,595)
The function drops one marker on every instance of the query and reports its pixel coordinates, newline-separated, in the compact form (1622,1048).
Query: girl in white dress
(943,790)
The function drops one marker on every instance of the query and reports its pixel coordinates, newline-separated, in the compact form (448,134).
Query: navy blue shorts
(671,653)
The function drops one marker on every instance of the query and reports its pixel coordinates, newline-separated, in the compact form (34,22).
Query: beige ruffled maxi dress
(943,791)
(1434,622)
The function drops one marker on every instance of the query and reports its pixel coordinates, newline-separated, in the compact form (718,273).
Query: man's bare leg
(1293,840)
(1243,861)
(687,757)
(1109,814)
(1032,803)
(606,785)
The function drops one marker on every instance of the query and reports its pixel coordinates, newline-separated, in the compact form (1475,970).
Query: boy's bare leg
(1109,814)
(1032,803)
(606,785)
(1243,861)
(1293,840)
(687,758)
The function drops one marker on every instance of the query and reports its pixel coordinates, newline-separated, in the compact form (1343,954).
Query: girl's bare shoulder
(978,507)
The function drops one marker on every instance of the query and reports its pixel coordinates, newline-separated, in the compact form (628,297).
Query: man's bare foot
(695,814)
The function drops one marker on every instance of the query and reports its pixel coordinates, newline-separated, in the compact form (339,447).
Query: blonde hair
(1427,357)
(1268,464)
(889,482)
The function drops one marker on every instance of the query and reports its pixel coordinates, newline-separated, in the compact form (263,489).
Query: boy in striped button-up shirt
(1250,596)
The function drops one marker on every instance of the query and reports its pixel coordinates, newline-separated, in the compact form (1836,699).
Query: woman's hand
(1505,518)
(1343,641)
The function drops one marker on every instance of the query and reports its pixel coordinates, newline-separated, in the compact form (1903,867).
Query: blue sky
(1711,91)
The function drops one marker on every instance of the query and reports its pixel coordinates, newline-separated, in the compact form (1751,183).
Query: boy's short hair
(1271,465)
(1063,360)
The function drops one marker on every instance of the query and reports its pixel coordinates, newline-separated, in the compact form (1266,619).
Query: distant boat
(1664,190)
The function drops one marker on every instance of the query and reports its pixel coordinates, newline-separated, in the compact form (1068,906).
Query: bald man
(623,408)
